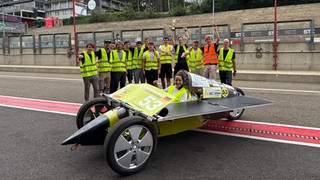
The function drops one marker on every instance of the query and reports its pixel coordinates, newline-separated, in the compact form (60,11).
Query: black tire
(237,113)
(133,156)
(91,110)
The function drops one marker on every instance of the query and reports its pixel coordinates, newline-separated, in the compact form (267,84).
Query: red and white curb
(40,105)
(299,135)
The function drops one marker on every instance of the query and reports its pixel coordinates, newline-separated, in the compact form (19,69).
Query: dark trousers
(87,81)
(226,77)
(151,76)
(116,78)
(130,75)
(179,66)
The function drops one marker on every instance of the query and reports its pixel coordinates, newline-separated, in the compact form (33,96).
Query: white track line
(280,90)
(38,77)
(200,130)
(259,138)
(244,88)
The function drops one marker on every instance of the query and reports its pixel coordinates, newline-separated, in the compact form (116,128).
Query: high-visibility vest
(178,95)
(89,67)
(129,60)
(209,55)
(151,64)
(104,64)
(137,58)
(177,52)
(195,60)
(165,59)
(118,65)
(226,64)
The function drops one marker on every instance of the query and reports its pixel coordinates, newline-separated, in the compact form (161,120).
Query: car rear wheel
(236,113)
(91,110)
(129,145)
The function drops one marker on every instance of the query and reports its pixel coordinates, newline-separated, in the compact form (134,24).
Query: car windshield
(200,81)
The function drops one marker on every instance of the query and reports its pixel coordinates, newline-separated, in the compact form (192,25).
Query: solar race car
(129,121)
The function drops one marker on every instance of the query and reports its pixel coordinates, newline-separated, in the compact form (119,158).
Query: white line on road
(46,78)
(280,90)
(259,138)
(244,88)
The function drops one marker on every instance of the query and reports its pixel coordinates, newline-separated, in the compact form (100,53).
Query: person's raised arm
(215,28)
(173,42)
(187,35)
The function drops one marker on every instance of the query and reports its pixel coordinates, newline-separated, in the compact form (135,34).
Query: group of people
(114,64)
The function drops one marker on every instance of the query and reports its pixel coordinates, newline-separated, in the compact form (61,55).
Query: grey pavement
(245,75)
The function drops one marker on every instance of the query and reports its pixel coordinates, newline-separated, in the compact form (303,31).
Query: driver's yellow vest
(137,58)
(118,65)
(104,63)
(195,60)
(225,64)
(89,67)
(151,65)
(178,95)
(165,59)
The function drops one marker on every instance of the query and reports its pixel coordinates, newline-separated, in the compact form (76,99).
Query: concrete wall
(292,56)
(234,18)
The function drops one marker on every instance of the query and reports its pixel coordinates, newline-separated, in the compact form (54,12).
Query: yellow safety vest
(178,95)
(117,64)
(165,59)
(104,63)
(151,64)
(130,61)
(137,58)
(195,60)
(225,64)
(177,52)
(89,67)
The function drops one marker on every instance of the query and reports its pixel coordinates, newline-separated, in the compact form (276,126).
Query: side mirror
(163,112)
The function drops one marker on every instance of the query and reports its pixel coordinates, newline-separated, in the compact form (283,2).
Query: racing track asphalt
(31,150)
(31,140)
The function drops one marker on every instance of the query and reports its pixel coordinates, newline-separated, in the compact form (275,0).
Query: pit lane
(30,140)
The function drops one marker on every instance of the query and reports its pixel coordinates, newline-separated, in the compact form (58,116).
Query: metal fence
(251,33)
(297,31)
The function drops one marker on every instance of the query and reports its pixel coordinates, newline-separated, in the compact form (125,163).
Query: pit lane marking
(58,107)
(38,77)
(280,90)
(247,88)
(290,134)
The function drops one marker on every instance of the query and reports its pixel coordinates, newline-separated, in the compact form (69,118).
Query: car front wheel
(129,145)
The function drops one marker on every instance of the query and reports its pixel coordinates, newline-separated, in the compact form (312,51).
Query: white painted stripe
(259,138)
(40,110)
(280,90)
(41,100)
(200,130)
(274,124)
(46,78)
(247,88)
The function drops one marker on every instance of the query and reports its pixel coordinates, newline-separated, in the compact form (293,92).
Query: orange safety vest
(209,55)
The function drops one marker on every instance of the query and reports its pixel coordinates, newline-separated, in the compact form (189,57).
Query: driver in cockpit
(181,89)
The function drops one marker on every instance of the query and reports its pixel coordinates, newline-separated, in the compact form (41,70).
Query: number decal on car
(150,103)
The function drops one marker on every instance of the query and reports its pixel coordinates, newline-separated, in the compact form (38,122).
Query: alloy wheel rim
(133,147)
